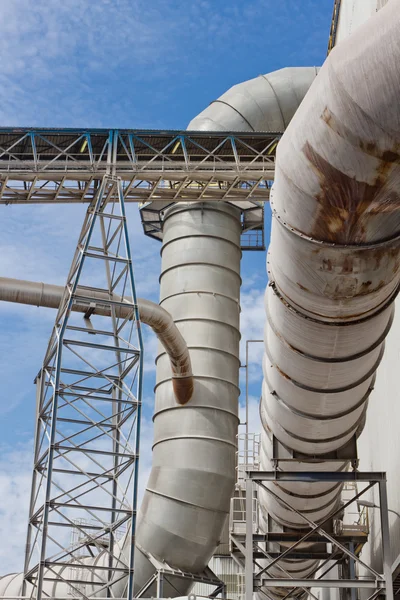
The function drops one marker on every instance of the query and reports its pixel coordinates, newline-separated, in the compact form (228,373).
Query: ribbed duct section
(193,472)
(333,260)
(334,271)
(265,103)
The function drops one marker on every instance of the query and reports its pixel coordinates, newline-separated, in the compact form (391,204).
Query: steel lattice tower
(84,490)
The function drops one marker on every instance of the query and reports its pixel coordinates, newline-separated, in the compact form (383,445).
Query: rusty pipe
(333,265)
(48,295)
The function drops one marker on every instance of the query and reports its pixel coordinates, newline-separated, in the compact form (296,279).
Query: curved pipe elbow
(174,344)
(265,103)
(161,322)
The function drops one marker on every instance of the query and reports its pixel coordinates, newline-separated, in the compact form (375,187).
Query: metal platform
(339,546)
(157,168)
(164,573)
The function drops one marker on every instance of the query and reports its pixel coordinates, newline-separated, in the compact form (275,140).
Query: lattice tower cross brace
(87,437)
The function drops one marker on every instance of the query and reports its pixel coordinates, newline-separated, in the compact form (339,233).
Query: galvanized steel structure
(87,438)
(157,168)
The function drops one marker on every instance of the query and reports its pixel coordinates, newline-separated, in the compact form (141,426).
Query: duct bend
(334,260)
(266,103)
(161,322)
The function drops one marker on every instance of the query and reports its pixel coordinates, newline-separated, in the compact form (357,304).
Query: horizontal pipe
(48,295)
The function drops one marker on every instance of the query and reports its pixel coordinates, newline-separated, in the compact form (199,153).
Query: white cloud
(252,319)
(254,415)
(15,481)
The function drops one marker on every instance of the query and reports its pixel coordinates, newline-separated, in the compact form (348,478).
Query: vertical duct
(193,472)
(334,270)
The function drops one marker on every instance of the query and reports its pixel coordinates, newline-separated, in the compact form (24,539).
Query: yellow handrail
(334,23)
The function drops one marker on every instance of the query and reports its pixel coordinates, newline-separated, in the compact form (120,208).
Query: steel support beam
(249,541)
(249,547)
(156,169)
(320,583)
(88,422)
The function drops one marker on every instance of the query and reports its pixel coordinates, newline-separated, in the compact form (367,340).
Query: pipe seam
(329,390)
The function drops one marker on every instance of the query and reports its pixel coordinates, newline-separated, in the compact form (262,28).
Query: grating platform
(156,168)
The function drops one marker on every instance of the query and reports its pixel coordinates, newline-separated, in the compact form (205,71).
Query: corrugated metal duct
(334,270)
(188,494)
(333,259)
(266,103)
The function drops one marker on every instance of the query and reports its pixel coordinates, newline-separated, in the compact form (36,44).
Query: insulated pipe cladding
(334,271)
(333,262)
(193,472)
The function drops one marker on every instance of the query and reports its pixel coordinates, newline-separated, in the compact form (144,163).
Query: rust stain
(327,264)
(391,155)
(183,389)
(282,373)
(365,287)
(302,287)
(346,203)
(347,264)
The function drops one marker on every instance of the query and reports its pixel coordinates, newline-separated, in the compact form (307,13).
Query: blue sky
(118,63)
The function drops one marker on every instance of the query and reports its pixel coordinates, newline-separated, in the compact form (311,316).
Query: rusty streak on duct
(160,321)
(333,263)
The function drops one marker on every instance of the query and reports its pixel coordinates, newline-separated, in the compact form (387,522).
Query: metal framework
(84,491)
(334,546)
(156,168)
(164,573)
(334,25)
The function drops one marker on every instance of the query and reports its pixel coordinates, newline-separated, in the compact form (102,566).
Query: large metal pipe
(49,295)
(193,473)
(334,270)
(334,259)
(265,103)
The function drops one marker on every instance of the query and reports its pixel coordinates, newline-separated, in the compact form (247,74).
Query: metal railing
(248,456)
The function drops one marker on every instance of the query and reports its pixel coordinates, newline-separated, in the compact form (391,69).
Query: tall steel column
(85,478)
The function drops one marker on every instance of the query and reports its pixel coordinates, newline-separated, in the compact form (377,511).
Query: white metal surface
(379,444)
(266,103)
(354,13)
(334,254)
(193,472)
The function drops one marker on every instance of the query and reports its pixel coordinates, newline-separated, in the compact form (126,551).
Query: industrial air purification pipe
(333,262)
(193,473)
(334,270)
(161,322)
